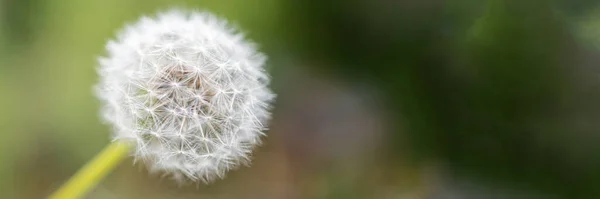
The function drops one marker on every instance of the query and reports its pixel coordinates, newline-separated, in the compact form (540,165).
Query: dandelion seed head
(188,91)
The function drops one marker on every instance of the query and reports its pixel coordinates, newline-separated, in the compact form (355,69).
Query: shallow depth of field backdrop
(376,99)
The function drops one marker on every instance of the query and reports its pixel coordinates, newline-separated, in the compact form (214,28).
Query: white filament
(189,91)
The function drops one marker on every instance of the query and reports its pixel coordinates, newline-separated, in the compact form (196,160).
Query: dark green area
(500,90)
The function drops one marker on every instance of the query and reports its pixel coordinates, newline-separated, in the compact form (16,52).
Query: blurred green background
(376,99)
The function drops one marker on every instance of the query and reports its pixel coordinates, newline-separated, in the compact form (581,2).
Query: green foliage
(495,100)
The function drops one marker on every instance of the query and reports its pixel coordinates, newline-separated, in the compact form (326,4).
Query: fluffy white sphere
(188,90)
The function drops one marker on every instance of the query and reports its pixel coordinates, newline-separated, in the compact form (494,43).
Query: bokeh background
(376,99)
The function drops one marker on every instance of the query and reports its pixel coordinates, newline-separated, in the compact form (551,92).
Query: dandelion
(188,92)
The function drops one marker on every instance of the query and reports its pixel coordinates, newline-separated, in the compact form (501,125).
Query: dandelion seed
(188,91)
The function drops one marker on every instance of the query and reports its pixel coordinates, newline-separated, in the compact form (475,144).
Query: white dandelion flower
(188,91)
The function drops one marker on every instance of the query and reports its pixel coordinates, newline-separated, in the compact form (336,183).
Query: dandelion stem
(93,172)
